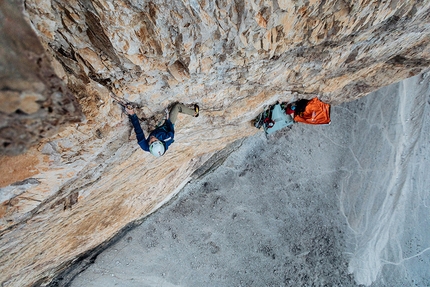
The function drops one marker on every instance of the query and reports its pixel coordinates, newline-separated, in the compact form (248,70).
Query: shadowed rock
(35,103)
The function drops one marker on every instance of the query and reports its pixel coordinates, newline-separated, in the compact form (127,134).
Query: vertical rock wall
(77,188)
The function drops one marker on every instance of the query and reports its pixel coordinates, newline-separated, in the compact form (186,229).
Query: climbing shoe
(196,110)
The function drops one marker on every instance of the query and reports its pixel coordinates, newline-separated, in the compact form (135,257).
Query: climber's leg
(180,108)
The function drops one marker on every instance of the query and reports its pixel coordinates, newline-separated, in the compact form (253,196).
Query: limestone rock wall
(34,101)
(77,188)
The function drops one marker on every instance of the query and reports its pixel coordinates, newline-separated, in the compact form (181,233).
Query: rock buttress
(77,188)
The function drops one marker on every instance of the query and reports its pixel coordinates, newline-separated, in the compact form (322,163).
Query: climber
(163,136)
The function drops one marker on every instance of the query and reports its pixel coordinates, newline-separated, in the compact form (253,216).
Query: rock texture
(304,207)
(34,101)
(77,188)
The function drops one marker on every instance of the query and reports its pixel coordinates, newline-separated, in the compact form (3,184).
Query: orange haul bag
(315,113)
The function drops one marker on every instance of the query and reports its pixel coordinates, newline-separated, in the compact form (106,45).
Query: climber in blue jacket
(162,137)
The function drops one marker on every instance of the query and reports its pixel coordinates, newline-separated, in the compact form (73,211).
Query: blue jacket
(164,133)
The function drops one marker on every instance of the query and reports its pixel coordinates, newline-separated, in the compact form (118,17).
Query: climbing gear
(273,119)
(269,123)
(279,119)
(263,118)
(122,102)
(196,109)
(258,122)
(290,109)
(125,108)
(157,148)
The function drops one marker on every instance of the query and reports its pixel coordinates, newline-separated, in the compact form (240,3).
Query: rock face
(34,101)
(299,212)
(65,193)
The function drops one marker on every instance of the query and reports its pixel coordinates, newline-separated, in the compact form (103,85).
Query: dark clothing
(300,106)
(164,133)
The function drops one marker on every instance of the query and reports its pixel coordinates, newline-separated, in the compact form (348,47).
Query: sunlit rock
(230,57)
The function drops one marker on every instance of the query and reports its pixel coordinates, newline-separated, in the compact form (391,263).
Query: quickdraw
(121,101)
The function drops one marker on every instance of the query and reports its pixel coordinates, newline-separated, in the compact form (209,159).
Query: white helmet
(157,148)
